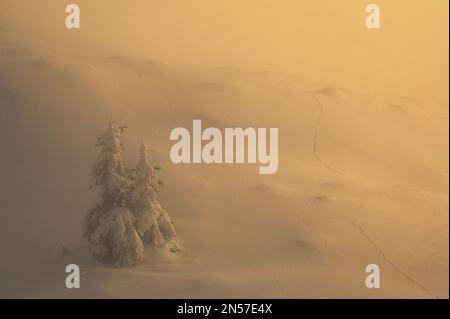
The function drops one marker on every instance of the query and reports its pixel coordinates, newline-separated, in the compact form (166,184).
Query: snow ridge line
(278,281)
(378,249)
(316,155)
(354,224)
(389,261)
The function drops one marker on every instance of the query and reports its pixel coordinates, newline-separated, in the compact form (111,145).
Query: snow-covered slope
(361,180)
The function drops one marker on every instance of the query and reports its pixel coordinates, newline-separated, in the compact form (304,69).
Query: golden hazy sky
(323,40)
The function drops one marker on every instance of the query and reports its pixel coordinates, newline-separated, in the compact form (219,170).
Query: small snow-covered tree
(127,214)
(152,221)
(109,177)
(109,224)
(165,222)
(116,240)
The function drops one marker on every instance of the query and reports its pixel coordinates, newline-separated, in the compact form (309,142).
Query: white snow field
(361,180)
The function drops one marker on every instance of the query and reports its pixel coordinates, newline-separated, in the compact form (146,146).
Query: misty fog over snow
(362,179)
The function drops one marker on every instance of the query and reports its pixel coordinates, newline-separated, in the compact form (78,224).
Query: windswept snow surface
(361,180)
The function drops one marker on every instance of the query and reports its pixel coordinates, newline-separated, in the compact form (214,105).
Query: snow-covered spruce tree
(109,225)
(115,240)
(152,222)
